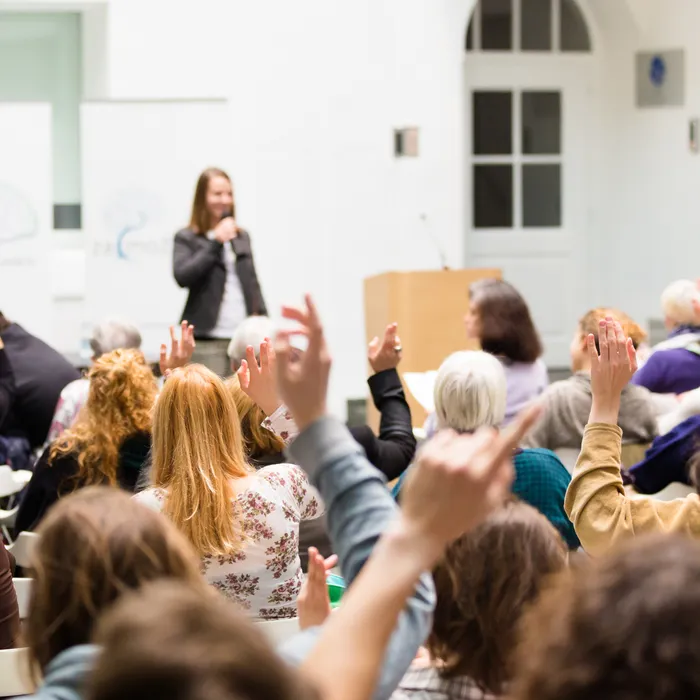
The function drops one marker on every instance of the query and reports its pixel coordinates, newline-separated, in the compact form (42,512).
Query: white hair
(114,334)
(677,302)
(470,391)
(251,332)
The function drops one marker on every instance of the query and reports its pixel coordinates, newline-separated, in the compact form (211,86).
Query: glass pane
(496,25)
(493,196)
(470,35)
(536,25)
(492,115)
(541,196)
(541,120)
(574,32)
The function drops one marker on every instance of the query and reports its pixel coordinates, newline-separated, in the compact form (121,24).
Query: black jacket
(198,265)
(32,376)
(391,452)
(52,480)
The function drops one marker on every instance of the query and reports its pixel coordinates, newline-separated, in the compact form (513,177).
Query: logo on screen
(130,216)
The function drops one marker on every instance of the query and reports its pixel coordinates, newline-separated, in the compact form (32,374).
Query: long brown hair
(507,329)
(120,402)
(167,641)
(197,452)
(200,219)
(94,545)
(257,441)
(484,581)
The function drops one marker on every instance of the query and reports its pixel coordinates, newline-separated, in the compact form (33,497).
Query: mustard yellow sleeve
(599,508)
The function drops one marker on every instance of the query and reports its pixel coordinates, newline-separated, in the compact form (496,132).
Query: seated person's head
(197,452)
(680,302)
(168,641)
(500,320)
(252,332)
(589,325)
(119,405)
(622,626)
(114,334)
(484,583)
(470,392)
(257,441)
(95,545)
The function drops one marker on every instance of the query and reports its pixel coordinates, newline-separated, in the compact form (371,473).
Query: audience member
(32,376)
(500,320)
(395,447)
(470,392)
(244,524)
(674,365)
(108,445)
(109,335)
(94,546)
(9,611)
(596,502)
(485,581)
(623,626)
(249,333)
(567,403)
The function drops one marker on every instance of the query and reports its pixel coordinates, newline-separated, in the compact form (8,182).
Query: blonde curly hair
(120,403)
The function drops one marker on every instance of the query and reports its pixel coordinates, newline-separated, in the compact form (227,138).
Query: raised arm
(190,263)
(458,480)
(596,501)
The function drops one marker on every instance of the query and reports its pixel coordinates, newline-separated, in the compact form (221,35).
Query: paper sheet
(421,385)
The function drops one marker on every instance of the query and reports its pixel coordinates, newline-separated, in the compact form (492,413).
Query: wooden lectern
(429,307)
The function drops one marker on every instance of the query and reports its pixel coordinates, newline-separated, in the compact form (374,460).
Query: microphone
(436,243)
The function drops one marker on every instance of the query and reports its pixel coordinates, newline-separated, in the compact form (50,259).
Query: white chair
(7,521)
(22,548)
(12,482)
(23,589)
(14,673)
(279,631)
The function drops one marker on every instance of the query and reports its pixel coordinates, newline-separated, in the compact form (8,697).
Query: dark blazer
(32,377)
(52,480)
(198,265)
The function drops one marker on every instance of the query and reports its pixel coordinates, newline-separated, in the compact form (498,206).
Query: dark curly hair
(625,626)
(507,328)
(483,583)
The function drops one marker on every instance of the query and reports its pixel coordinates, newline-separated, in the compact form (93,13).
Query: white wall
(648,220)
(317,90)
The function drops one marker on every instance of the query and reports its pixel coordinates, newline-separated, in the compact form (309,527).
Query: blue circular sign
(657,70)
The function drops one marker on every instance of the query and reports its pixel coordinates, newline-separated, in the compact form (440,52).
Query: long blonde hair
(119,404)
(257,441)
(197,451)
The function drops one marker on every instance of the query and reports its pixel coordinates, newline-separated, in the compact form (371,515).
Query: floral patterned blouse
(265,577)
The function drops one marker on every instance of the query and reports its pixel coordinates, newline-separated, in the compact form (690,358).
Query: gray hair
(114,334)
(251,332)
(470,392)
(677,302)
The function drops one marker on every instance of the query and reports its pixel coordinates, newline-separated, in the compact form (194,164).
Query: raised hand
(387,354)
(458,480)
(303,383)
(313,603)
(180,349)
(611,370)
(258,381)
(226,230)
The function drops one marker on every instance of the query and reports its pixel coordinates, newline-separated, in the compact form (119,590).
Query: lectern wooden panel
(429,307)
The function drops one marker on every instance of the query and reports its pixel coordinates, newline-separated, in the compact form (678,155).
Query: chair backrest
(279,631)
(22,548)
(14,673)
(9,486)
(23,589)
